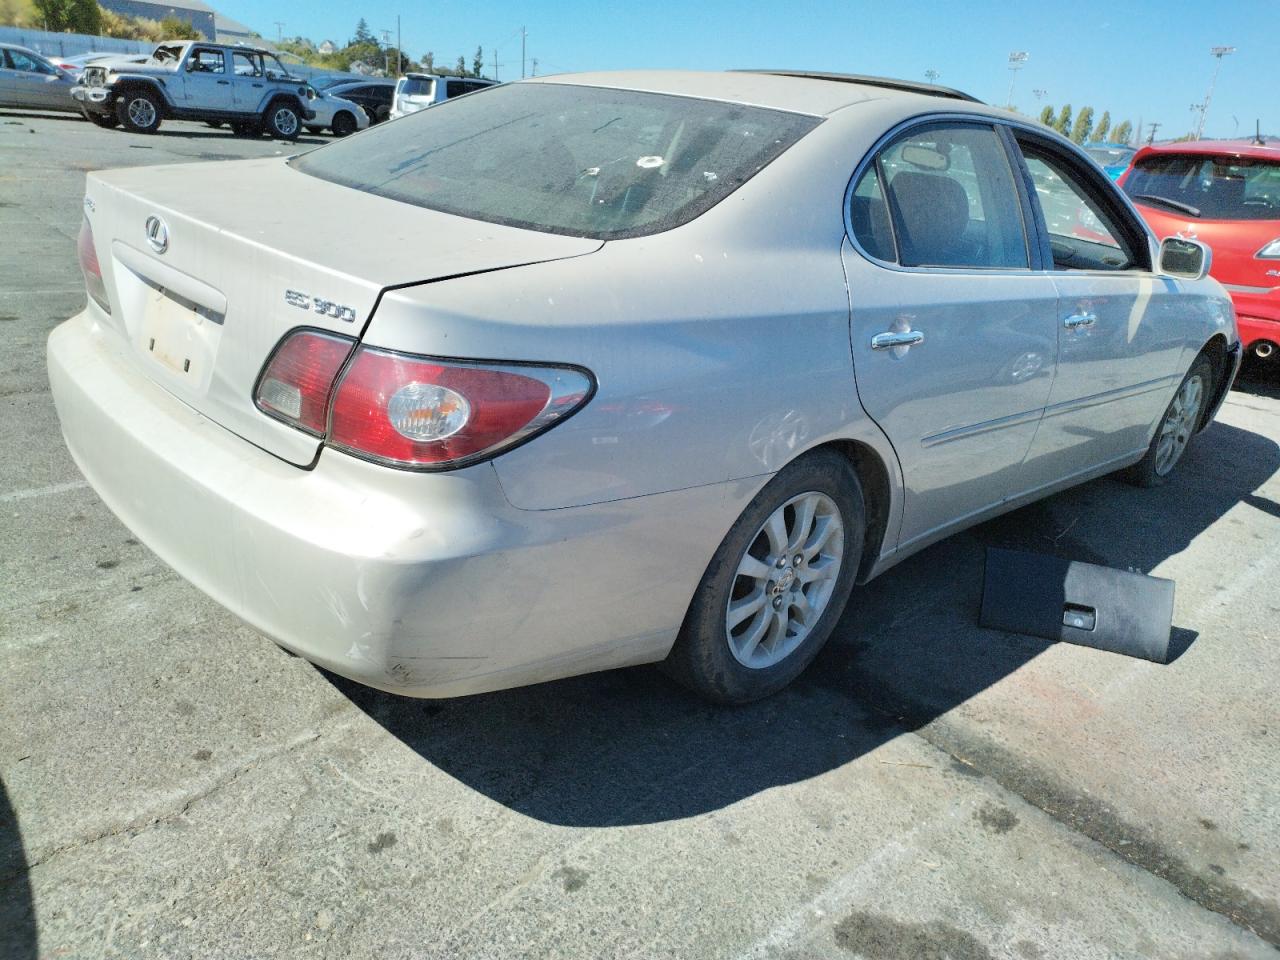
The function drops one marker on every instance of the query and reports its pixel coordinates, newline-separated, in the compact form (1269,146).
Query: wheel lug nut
(777,602)
(782,562)
(799,559)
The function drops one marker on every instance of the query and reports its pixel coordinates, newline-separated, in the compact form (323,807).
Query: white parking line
(43,491)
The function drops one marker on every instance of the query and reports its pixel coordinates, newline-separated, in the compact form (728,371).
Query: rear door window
(941,195)
(1212,187)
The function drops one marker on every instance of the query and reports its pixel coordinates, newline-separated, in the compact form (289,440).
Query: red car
(1228,196)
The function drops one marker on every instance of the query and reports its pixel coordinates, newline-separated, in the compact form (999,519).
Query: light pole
(1217,53)
(932,75)
(1039,94)
(1016,59)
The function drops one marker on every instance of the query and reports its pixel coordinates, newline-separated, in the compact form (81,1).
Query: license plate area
(177,338)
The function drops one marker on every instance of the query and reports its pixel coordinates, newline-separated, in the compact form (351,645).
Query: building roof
(226,25)
(164,6)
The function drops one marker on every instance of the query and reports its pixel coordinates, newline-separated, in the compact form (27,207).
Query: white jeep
(192,80)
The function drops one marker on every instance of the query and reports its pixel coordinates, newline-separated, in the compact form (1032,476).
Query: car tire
(344,124)
(1177,427)
(139,111)
(105,121)
(739,655)
(282,121)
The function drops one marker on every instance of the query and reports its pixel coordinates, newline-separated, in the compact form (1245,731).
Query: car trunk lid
(208,266)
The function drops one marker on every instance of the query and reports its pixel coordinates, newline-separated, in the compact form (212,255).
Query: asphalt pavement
(174,785)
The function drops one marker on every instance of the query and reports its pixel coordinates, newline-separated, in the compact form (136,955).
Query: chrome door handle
(896,338)
(1080,320)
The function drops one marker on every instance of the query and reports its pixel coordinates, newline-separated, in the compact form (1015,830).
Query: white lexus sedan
(619,368)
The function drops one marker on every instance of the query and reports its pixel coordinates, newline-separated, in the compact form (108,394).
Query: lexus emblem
(157,234)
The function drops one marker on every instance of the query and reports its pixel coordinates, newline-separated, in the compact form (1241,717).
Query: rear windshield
(1215,188)
(416,86)
(583,161)
(1109,156)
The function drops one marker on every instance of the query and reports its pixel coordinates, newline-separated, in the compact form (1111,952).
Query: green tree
(52,14)
(1046,116)
(461,68)
(172,28)
(428,62)
(1083,125)
(477,63)
(363,34)
(1063,123)
(1104,126)
(1122,133)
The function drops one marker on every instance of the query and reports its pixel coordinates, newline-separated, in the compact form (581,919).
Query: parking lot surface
(174,785)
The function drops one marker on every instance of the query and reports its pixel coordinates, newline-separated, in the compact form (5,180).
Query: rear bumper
(1257,316)
(420,584)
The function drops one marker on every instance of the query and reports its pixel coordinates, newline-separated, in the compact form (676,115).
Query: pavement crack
(136,825)
(1092,818)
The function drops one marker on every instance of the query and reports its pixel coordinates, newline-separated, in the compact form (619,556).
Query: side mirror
(1187,259)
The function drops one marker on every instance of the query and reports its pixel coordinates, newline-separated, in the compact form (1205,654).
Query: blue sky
(1141,60)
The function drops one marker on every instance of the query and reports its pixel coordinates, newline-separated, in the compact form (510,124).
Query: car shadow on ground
(17,913)
(12,115)
(630,747)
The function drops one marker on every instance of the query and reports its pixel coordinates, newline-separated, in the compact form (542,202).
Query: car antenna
(1257,134)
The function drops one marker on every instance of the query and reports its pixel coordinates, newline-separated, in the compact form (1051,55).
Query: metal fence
(70,44)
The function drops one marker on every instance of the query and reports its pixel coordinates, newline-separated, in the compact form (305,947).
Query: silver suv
(417,91)
(245,86)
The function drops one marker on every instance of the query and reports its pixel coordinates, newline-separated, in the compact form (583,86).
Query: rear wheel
(776,586)
(139,111)
(344,124)
(1177,427)
(282,121)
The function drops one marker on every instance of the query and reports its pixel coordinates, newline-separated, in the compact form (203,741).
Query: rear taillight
(90,267)
(412,411)
(427,413)
(296,383)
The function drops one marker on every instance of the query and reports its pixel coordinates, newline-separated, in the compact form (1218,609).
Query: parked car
(618,368)
(373,95)
(1114,158)
(30,81)
(1227,195)
(416,91)
(75,65)
(244,86)
(333,113)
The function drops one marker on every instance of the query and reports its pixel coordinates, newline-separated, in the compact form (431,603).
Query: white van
(416,91)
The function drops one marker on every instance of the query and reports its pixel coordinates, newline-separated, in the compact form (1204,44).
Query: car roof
(1106,145)
(1215,148)
(814,93)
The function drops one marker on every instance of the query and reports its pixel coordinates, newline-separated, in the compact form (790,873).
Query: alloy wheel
(142,112)
(285,121)
(1179,424)
(785,580)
